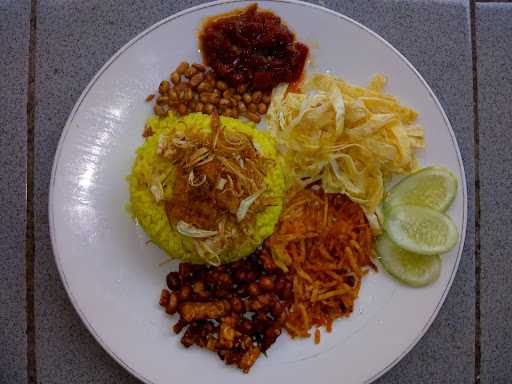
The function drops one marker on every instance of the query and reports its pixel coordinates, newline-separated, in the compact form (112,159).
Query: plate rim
(115,56)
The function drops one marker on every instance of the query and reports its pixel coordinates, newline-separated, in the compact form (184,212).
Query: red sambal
(252,47)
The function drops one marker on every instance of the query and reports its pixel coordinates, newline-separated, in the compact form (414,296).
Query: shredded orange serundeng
(325,242)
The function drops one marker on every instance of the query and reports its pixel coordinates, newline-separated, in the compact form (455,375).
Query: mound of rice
(152,215)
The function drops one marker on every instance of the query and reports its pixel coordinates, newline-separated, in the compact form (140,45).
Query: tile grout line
(29,230)
(476,139)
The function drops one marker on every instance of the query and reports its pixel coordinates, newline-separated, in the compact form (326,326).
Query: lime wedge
(432,187)
(407,267)
(420,230)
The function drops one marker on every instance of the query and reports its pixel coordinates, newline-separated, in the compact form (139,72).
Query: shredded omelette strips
(325,243)
(348,137)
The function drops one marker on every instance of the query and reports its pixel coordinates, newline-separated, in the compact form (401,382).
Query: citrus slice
(409,268)
(420,230)
(432,187)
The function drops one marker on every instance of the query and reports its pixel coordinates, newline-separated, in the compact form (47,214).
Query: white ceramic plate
(113,277)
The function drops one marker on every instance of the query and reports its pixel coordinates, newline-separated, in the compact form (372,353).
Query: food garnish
(245,204)
(189,230)
(348,137)
(431,187)
(410,268)
(417,230)
(421,230)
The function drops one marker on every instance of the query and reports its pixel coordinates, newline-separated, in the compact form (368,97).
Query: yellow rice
(152,216)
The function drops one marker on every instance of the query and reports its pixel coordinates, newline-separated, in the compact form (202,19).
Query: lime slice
(407,267)
(432,187)
(420,230)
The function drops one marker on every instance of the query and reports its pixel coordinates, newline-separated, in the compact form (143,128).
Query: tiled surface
(75,38)
(14,27)
(494,47)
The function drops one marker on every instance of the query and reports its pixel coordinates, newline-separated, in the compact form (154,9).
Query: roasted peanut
(241,89)
(199,107)
(204,86)
(209,108)
(173,96)
(224,103)
(175,78)
(163,87)
(241,107)
(199,67)
(181,87)
(191,71)
(159,110)
(204,97)
(182,68)
(182,109)
(235,113)
(197,79)
(252,108)
(210,78)
(162,99)
(214,98)
(253,117)
(246,98)
(221,85)
(227,94)
(207,97)
(188,94)
(256,97)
